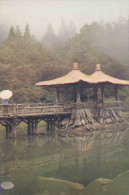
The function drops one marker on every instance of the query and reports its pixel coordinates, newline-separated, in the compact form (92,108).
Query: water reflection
(74,159)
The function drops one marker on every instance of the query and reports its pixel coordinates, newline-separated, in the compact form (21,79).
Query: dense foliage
(25,61)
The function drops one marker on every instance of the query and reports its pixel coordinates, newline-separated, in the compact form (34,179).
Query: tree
(72,29)
(27,33)
(11,33)
(63,33)
(50,39)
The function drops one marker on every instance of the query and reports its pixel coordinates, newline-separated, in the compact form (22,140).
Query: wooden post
(74,93)
(13,131)
(51,124)
(10,128)
(7,129)
(102,92)
(116,92)
(48,124)
(32,127)
(81,94)
(28,127)
(35,126)
(57,95)
(78,93)
(96,93)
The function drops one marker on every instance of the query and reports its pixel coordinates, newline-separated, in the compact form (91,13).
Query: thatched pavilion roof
(100,77)
(73,77)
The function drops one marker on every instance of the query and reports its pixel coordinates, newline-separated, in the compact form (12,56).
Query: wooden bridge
(11,115)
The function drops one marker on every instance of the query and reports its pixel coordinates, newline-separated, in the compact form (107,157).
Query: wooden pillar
(78,94)
(102,92)
(57,95)
(28,127)
(13,130)
(74,93)
(32,127)
(51,122)
(48,124)
(10,128)
(81,94)
(7,129)
(96,93)
(116,92)
(35,125)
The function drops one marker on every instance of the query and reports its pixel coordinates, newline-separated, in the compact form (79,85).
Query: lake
(95,164)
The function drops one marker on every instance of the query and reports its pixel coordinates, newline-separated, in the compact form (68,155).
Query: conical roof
(73,77)
(76,76)
(100,77)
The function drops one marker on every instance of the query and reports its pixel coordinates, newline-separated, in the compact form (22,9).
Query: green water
(66,165)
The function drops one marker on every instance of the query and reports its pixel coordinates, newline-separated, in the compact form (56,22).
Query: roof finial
(75,66)
(98,67)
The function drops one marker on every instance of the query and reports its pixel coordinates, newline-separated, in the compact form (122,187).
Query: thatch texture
(76,76)
(73,77)
(99,77)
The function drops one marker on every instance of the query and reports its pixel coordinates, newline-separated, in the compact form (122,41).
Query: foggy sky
(39,13)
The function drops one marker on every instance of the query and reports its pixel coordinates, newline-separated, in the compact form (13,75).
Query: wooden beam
(2,123)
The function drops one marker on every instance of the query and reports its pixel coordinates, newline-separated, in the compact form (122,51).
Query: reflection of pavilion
(86,94)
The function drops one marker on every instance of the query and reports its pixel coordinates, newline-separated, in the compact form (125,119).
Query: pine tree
(63,33)
(72,29)
(50,39)
(11,34)
(27,33)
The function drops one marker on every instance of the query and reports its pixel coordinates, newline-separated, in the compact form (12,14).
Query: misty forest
(25,61)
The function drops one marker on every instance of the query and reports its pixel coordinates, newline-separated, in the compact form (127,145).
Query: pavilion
(78,80)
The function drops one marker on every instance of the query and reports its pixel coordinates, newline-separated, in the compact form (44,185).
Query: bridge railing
(110,104)
(38,109)
(84,105)
(29,109)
